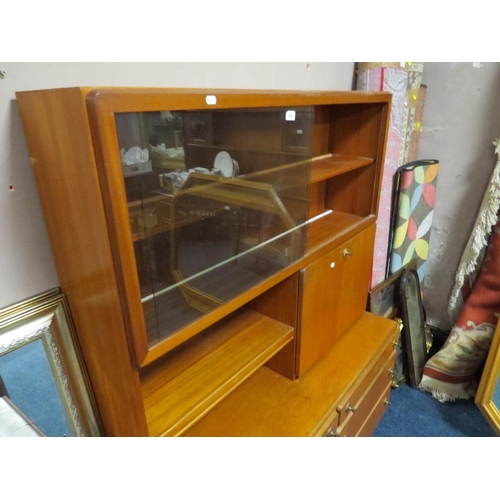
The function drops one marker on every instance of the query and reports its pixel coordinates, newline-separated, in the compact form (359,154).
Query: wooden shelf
(268,404)
(258,196)
(327,166)
(192,379)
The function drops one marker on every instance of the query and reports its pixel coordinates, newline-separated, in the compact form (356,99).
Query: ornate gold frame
(489,381)
(47,317)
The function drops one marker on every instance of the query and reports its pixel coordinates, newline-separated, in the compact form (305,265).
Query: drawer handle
(330,433)
(387,402)
(346,253)
(349,408)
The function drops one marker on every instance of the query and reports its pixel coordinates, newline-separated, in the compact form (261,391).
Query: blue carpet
(29,380)
(413,412)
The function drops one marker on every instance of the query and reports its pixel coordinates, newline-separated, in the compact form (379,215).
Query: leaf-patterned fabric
(414,199)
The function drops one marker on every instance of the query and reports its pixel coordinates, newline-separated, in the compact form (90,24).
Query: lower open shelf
(268,404)
(193,378)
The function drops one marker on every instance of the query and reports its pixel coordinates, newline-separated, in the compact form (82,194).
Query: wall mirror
(41,370)
(488,392)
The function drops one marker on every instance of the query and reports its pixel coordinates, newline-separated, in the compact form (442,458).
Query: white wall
(461,120)
(26,261)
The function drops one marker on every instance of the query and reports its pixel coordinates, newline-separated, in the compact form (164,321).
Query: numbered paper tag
(211,100)
(290,115)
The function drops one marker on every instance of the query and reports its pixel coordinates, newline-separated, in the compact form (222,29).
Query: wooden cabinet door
(333,296)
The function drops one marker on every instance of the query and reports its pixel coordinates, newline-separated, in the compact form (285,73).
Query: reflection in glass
(217,203)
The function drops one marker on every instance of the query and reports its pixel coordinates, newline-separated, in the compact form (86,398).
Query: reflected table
(14,423)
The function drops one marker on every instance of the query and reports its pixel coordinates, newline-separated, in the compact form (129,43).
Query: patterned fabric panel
(414,197)
(388,77)
(415,71)
(451,373)
(473,254)
(417,125)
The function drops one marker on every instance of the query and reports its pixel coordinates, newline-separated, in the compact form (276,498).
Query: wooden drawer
(376,414)
(333,293)
(331,430)
(384,364)
(362,409)
(268,404)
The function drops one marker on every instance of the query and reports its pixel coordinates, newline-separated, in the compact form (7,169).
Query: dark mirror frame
(414,325)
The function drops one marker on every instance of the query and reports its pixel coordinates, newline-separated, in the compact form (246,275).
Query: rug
(453,372)
(388,77)
(473,255)
(417,125)
(415,71)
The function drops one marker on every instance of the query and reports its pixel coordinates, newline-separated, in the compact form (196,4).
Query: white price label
(211,100)
(290,115)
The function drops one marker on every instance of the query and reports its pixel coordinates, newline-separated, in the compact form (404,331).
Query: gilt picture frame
(488,392)
(38,334)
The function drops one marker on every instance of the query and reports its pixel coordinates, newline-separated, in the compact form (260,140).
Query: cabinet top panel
(122,99)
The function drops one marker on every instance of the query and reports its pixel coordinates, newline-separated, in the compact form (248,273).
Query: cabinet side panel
(60,146)
(355,129)
(358,130)
(280,303)
(321,131)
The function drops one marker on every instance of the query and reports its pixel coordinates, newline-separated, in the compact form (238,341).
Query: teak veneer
(268,404)
(191,380)
(291,354)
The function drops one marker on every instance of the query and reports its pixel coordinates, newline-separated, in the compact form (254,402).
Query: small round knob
(330,433)
(346,253)
(387,402)
(395,344)
(349,408)
(391,371)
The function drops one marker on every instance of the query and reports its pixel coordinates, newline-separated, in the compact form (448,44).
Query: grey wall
(26,261)
(461,120)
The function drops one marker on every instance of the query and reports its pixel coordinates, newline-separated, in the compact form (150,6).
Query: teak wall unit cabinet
(215,247)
